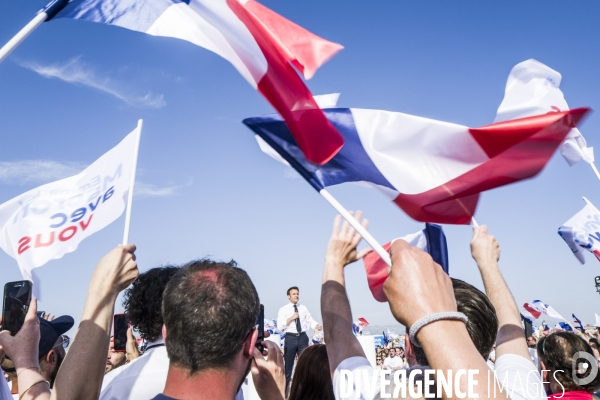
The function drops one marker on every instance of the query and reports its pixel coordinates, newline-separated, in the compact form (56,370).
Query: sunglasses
(66,341)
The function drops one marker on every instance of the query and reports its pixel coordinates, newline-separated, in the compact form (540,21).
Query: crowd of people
(198,326)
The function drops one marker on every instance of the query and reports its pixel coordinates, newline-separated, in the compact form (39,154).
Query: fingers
(130,334)
(336,224)
(398,247)
(32,312)
(130,248)
(253,365)
(274,354)
(363,253)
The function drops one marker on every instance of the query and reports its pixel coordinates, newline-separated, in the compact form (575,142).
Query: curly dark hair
(143,301)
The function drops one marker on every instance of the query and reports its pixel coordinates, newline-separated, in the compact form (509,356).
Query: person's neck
(14,384)
(205,385)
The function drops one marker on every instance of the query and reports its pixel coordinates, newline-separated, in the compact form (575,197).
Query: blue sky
(74,89)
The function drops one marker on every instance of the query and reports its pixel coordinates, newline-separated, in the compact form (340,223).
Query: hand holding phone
(17,296)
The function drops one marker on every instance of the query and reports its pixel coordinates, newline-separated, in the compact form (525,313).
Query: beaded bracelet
(416,327)
(26,390)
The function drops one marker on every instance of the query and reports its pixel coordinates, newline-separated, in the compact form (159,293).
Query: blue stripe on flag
(351,164)
(437,246)
(137,15)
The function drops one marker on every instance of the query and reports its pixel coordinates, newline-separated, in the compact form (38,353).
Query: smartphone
(528,329)
(261,328)
(17,296)
(120,332)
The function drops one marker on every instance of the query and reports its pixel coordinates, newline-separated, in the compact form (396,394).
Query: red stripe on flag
(377,273)
(283,88)
(455,201)
(304,49)
(536,313)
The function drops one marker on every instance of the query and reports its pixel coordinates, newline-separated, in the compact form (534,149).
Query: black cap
(50,331)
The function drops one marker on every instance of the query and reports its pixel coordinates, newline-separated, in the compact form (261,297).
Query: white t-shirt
(519,377)
(360,368)
(142,378)
(394,362)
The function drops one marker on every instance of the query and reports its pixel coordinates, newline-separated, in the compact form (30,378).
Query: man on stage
(294,319)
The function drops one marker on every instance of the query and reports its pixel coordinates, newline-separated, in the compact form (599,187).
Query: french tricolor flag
(431,239)
(531,311)
(263,46)
(433,170)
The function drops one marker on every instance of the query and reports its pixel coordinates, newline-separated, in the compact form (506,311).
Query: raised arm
(486,252)
(417,287)
(81,373)
(335,307)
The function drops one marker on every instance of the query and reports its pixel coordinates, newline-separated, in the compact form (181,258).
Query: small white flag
(49,221)
(582,231)
(532,89)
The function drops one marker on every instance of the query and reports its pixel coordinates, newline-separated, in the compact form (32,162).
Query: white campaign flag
(582,231)
(532,89)
(49,221)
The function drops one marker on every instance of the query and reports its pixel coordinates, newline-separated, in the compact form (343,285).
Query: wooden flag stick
(131,183)
(371,241)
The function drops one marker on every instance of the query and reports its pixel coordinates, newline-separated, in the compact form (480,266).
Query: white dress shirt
(306,320)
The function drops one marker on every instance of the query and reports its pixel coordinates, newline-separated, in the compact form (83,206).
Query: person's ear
(51,358)
(164,333)
(249,343)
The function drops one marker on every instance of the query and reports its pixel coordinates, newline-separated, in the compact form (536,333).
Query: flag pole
(131,183)
(593,166)
(474,222)
(45,14)
(378,248)
(292,162)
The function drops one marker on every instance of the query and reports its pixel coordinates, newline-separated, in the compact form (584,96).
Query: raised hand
(269,375)
(484,247)
(341,249)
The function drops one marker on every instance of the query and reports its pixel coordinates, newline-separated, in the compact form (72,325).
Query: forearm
(337,318)
(335,306)
(29,379)
(82,371)
(499,294)
(462,355)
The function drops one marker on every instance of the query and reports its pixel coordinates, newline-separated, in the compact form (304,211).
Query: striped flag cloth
(538,307)
(578,323)
(582,232)
(431,239)
(533,89)
(433,170)
(262,45)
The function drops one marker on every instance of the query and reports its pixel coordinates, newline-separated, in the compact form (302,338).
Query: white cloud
(36,171)
(78,73)
(149,190)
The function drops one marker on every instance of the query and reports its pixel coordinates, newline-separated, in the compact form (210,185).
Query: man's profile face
(294,296)
(530,341)
(114,359)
